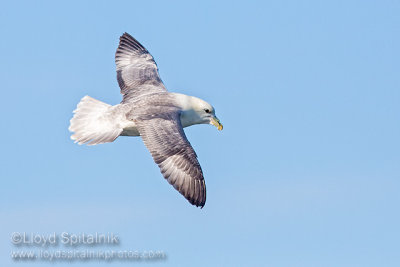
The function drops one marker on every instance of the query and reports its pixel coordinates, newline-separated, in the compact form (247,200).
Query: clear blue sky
(305,173)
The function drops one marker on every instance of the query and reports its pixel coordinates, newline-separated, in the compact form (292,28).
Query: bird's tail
(93,123)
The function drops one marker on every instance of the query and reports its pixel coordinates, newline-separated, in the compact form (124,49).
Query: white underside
(96,122)
(129,128)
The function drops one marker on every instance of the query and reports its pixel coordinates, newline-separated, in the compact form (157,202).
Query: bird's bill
(215,121)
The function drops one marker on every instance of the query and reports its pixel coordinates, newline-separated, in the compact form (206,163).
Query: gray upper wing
(137,72)
(164,137)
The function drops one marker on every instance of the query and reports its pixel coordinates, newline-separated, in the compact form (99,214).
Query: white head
(197,111)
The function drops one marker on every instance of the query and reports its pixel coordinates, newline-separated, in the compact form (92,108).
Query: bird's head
(198,111)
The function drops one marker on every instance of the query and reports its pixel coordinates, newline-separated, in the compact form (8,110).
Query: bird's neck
(187,105)
(184,101)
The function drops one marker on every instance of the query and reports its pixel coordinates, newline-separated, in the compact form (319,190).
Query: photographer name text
(65,238)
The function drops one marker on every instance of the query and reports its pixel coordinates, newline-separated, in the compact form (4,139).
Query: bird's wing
(137,72)
(164,137)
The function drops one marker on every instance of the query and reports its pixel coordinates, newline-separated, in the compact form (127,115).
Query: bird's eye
(207,110)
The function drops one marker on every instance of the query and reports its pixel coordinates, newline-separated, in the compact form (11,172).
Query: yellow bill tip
(216,123)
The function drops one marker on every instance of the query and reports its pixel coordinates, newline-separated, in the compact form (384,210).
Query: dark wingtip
(125,35)
(200,204)
(130,41)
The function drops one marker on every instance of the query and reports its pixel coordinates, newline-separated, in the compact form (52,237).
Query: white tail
(93,123)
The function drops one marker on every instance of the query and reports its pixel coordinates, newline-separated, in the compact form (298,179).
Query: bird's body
(150,111)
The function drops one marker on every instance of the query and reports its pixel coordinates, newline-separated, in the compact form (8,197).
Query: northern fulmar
(148,110)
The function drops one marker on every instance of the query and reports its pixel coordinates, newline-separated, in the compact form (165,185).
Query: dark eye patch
(207,110)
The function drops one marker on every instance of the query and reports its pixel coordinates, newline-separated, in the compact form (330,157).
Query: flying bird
(148,110)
